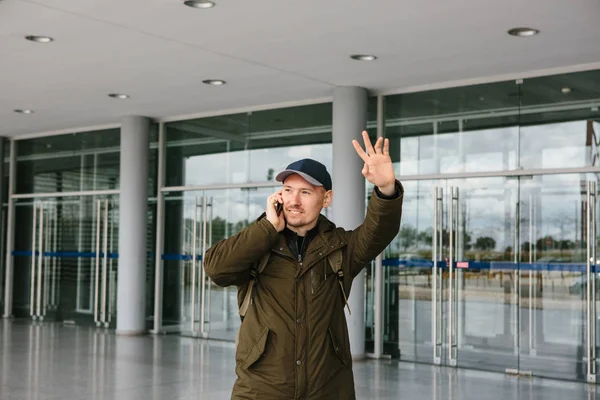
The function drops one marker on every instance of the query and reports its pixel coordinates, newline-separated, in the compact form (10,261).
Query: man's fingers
(386,147)
(365,170)
(378,145)
(360,151)
(368,145)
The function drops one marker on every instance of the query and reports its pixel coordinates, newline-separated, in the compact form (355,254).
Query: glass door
(455,268)
(192,291)
(65,259)
(475,297)
(194,221)
(497,273)
(559,278)
(408,277)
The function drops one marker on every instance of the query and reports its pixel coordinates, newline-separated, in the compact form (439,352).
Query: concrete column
(348,208)
(2,220)
(133,205)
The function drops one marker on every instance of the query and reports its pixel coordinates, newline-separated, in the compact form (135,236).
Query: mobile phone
(278,207)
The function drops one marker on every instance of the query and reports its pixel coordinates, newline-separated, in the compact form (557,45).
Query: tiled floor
(53,361)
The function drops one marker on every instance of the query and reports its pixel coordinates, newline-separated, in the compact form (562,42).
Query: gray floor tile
(51,362)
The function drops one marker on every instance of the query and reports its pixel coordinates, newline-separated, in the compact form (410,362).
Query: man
(293,341)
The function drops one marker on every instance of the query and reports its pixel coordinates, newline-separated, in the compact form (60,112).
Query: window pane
(70,162)
(559,121)
(467,129)
(244,148)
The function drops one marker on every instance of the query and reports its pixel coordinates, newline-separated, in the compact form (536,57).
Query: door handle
(194,257)
(452,319)
(104,263)
(436,333)
(111,274)
(202,272)
(40,260)
(591,284)
(97,264)
(33,258)
(532,286)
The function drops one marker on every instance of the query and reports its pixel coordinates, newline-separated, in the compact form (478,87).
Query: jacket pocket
(255,348)
(337,349)
(319,276)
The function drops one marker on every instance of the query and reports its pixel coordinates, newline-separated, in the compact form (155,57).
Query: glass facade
(237,151)
(65,251)
(489,268)
(69,163)
(494,266)
(245,148)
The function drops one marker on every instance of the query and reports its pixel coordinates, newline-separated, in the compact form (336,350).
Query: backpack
(335,262)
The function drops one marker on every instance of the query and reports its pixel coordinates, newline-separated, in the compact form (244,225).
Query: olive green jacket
(293,341)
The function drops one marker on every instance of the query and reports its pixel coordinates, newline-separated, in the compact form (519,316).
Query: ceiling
(270,52)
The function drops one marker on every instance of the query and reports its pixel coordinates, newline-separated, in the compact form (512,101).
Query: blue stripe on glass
(493,265)
(180,257)
(63,254)
(91,254)
(388,262)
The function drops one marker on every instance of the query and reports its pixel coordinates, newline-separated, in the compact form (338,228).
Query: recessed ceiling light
(523,32)
(566,90)
(119,96)
(214,82)
(199,3)
(39,39)
(363,57)
(23,111)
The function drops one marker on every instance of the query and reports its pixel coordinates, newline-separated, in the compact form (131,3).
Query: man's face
(303,202)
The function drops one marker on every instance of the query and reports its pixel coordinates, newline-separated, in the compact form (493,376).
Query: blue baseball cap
(313,171)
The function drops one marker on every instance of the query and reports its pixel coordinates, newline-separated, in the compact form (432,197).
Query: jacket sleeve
(228,262)
(380,227)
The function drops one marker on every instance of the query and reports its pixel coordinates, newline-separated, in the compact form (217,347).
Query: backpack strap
(254,272)
(335,262)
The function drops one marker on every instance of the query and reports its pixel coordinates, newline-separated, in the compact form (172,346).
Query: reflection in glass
(65,259)
(519,284)
(194,221)
(248,147)
(553,274)
(561,145)
(69,162)
(468,129)
(497,127)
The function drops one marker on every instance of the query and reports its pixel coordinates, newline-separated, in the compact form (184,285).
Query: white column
(133,205)
(348,209)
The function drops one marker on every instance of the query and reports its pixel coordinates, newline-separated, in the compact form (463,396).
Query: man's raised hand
(378,168)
